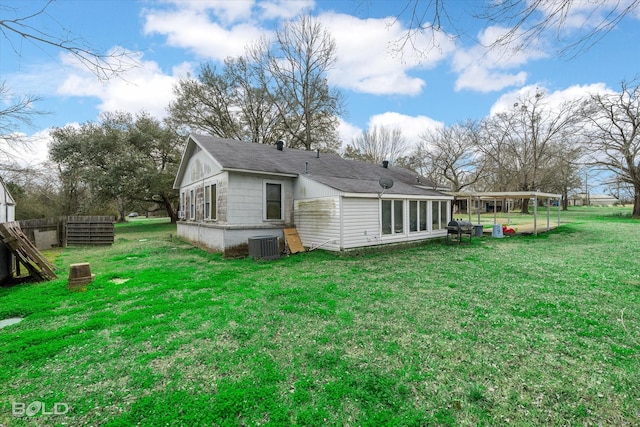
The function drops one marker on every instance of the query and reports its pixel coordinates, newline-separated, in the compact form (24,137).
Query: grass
(522,331)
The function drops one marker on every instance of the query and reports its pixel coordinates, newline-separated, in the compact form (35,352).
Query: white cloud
(411,126)
(553,100)
(144,88)
(284,9)
(367,61)
(485,66)
(347,132)
(372,61)
(192,29)
(31,151)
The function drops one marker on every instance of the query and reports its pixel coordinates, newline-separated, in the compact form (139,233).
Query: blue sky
(457,80)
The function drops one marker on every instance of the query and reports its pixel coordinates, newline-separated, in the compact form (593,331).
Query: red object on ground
(506,230)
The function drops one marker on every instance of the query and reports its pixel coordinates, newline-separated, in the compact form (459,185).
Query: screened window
(398,216)
(386,216)
(439,215)
(192,205)
(423,216)
(273,202)
(392,216)
(443,214)
(435,215)
(417,216)
(207,202)
(214,202)
(413,215)
(210,202)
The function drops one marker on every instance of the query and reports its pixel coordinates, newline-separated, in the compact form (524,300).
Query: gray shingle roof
(350,176)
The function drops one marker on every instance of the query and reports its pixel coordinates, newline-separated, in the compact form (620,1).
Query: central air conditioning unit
(264,247)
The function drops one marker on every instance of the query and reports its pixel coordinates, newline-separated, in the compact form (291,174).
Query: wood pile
(25,252)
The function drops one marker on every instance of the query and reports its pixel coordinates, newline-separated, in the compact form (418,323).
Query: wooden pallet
(25,252)
(293,240)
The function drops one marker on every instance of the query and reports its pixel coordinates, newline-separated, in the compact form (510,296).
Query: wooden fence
(69,231)
(90,230)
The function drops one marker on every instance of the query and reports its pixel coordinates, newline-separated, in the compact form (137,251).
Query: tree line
(278,90)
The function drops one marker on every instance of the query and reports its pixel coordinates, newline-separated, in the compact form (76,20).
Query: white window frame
(393,217)
(420,204)
(264,201)
(192,204)
(210,202)
(207,202)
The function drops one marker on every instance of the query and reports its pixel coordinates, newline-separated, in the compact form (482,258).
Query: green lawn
(521,331)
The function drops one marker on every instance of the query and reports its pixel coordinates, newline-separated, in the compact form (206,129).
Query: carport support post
(548,213)
(478,200)
(495,208)
(535,215)
(559,202)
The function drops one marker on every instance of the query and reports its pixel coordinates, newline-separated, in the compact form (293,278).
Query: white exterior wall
(246,199)
(7,205)
(318,222)
(306,188)
(361,222)
(342,222)
(221,238)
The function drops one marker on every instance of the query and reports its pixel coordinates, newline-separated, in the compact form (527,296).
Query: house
(583,199)
(7,214)
(231,191)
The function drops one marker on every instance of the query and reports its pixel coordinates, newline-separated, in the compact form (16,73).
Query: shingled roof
(349,176)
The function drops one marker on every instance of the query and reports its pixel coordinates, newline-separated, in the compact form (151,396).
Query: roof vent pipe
(317,153)
(385,164)
(280,145)
(306,168)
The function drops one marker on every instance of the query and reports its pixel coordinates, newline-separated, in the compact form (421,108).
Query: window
(392,216)
(435,215)
(423,216)
(210,208)
(207,202)
(443,214)
(192,205)
(214,201)
(417,216)
(439,215)
(386,216)
(413,215)
(273,201)
(398,216)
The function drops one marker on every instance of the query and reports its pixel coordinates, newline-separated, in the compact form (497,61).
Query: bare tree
(377,144)
(613,133)
(14,111)
(22,27)
(451,153)
(19,25)
(294,75)
(527,20)
(207,104)
(522,145)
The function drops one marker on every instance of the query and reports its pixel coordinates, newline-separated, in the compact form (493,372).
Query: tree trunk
(525,206)
(170,211)
(636,203)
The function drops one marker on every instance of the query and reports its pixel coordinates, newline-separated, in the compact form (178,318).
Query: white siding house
(231,191)
(7,214)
